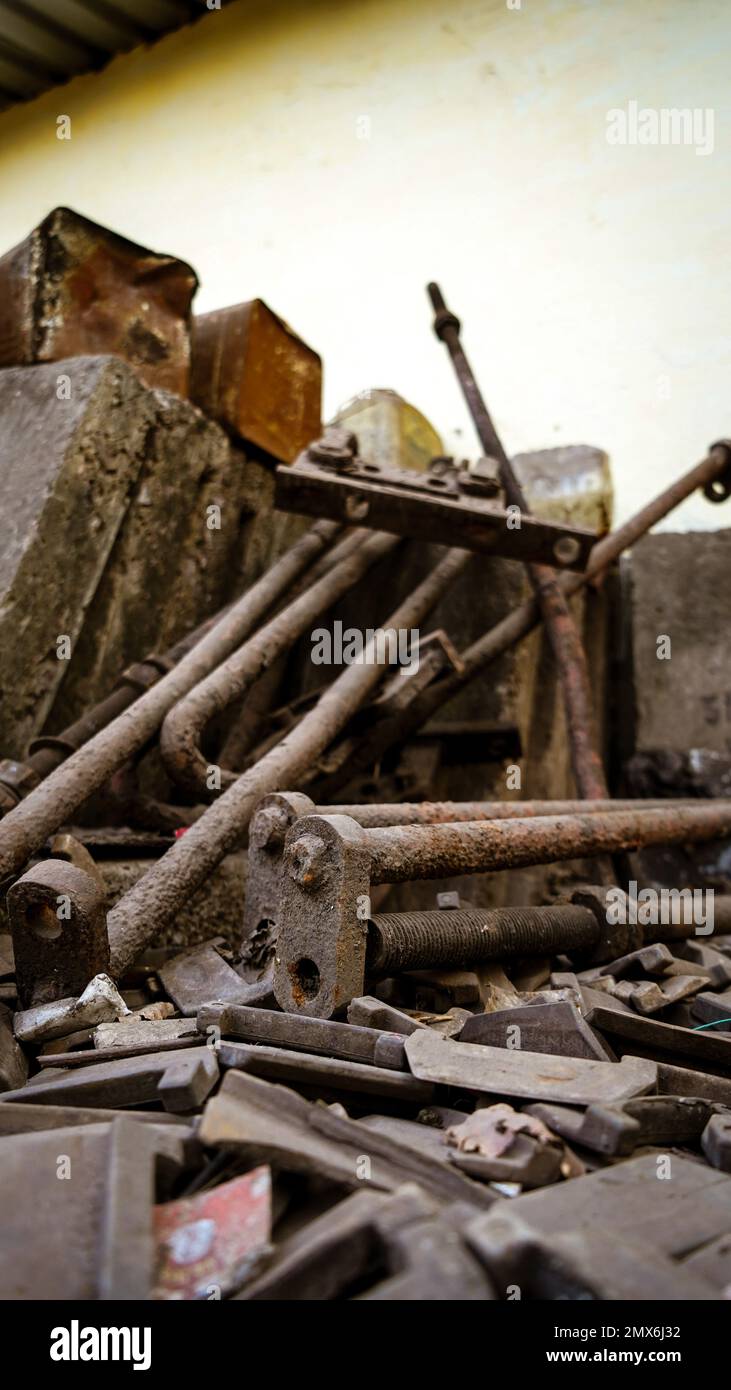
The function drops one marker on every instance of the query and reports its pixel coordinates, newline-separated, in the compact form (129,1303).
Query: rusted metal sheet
(74,288)
(253,374)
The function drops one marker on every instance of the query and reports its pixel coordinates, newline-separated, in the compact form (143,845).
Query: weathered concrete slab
(174,556)
(682,686)
(72,442)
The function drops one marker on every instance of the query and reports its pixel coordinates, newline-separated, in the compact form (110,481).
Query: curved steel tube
(185,724)
(156,898)
(24,829)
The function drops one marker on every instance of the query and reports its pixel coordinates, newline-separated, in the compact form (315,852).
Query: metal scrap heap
(276,1023)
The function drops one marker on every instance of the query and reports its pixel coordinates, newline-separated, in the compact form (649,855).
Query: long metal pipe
(161,893)
(184,726)
(566,644)
(402,853)
(49,805)
(522,620)
(372,815)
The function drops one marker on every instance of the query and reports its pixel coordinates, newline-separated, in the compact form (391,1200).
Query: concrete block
(680,586)
(69,458)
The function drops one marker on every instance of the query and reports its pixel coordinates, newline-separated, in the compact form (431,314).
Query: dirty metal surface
(58,923)
(299,1033)
(253,374)
(271,1123)
(553,1028)
(581,1260)
(201,975)
(93,1235)
(179,1080)
(497,1071)
(74,288)
(672,1215)
(323,1073)
(412,504)
(620,1129)
(630,1029)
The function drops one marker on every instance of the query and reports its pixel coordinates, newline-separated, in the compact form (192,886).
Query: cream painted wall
(592,280)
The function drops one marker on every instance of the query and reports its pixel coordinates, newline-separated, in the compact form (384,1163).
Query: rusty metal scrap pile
(455,1103)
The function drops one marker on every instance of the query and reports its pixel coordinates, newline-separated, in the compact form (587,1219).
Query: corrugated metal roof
(44,43)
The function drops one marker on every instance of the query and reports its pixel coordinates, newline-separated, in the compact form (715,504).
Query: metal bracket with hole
(331,480)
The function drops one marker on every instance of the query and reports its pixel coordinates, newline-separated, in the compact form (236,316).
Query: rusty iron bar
(462,939)
(706,475)
(563,634)
(162,892)
(401,853)
(185,725)
(372,815)
(25,828)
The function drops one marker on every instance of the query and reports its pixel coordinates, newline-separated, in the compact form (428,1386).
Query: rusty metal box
(256,377)
(73,288)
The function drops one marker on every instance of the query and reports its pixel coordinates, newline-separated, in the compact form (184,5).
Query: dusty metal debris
(555,1028)
(99,1002)
(257,1025)
(58,924)
(359,492)
(184,726)
(254,375)
(498,1071)
(73,288)
(49,805)
(716,466)
(621,1128)
(162,891)
(91,1237)
(180,1080)
(278,811)
(331,862)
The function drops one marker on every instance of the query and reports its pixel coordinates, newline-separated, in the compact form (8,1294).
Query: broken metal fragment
(90,1237)
(210,1244)
(577,1261)
(272,1124)
(201,975)
(498,1071)
(555,1028)
(620,1129)
(369,1012)
(57,919)
(74,288)
(323,1073)
(295,1031)
(100,1002)
(254,375)
(350,1245)
(629,1028)
(180,1080)
(716,1141)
